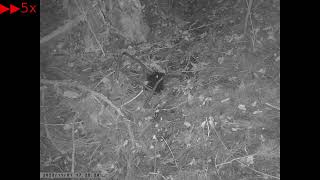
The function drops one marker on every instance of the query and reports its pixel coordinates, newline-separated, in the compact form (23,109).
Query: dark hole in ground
(153,79)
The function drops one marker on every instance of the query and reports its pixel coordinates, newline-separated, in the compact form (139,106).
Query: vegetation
(216,115)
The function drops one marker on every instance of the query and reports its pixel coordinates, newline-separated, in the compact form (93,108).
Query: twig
(132,99)
(171,152)
(273,106)
(103,79)
(73,142)
(174,106)
(155,159)
(48,124)
(130,133)
(215,22)
(153,173)
(215,160)
(247,15)
(220,139)
(143,66)
(90,27)
(232,152)
(193,24)
(208,129)
(84,88)
(94,93)
(94,153)
(237,159)
(259,172)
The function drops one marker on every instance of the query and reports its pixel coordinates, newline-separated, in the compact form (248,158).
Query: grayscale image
(160,89)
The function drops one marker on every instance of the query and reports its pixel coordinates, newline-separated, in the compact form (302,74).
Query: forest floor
(211,112)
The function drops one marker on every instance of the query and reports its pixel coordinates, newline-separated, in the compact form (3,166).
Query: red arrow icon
(3,9)
(13,9)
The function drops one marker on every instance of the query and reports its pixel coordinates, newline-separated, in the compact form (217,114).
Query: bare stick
(103,79)
(259,172)
(247,15)
(48,124)
(94,153)
(242,157)
(273,106)
(144,67)
(73,143)
(90,27)
(171,152)
(94,93)
(239,158)
(132,99)
(220,139)
(84,88)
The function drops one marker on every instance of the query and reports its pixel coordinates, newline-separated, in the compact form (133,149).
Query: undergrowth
(218,116)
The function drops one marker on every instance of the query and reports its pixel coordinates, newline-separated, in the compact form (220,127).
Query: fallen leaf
(242,107)
(186,123)
(220,60)
(203,124)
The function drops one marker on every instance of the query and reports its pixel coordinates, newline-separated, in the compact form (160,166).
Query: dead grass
(217,118)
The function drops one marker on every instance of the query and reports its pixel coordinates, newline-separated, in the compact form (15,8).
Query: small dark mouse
(155,81)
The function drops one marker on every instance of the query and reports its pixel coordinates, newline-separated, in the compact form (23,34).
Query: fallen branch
(90,27)
(238,159)
(94,93)
(273,106)
(175,161)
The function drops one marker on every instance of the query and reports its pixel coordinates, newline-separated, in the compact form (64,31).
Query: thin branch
(90,27)
(103,79)
(157,174)
(48,124)
(273,106)
(215,160)
(174,106)
(237,159)
(132,99)
(220,139)
(259,172)
(143,66)
(171,152)
(94,153)
(84,88)
(94,93)
(73,142)
(249,5)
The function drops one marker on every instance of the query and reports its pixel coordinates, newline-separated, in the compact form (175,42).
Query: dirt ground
(160,89)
